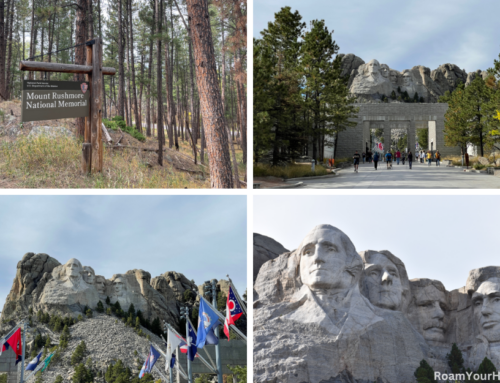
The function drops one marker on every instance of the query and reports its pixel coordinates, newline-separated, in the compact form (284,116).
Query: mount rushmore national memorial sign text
(373,83)
(326,313)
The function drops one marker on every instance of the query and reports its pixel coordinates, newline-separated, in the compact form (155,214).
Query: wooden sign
(50,100)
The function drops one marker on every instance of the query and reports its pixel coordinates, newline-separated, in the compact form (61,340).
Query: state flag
(173,341)
(15,343)
(207,319)
(150,361)
(32,365)
(233,311)
(192,349)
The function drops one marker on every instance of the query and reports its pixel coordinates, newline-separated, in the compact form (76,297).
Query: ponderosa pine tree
(221,175)
(455,359)
(278,98)
(327,97)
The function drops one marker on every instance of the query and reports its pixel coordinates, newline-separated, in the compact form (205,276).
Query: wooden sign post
(92,143)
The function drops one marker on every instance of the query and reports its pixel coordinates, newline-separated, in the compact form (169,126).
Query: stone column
(387,135)
(412,131)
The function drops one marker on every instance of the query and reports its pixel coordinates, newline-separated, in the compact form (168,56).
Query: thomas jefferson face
(73,268)
(88,275)
(430,307)
(324,260)
(383,283)
(99,284)
(486,306)
(393,76)
(373,67)
(384,70)
(119,286)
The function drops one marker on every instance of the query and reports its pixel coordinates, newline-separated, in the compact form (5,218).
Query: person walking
(364,156)
(438,158)
(403,158)
(410,159)
(398,156)
(376,157)
(356,158)
(422,155)
(388,158)
(429,158)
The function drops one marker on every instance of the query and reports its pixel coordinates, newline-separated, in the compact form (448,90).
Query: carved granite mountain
(264,249)
(369,82)
(324,313)
(42,283)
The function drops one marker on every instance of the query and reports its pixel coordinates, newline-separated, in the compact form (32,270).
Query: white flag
(173,341)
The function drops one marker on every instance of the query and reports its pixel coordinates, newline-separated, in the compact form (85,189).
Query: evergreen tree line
(403,97)
(300,99)
(471,118)
(150,44)
(425,373)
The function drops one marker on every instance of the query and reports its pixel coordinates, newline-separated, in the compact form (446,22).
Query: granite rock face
(264,249)
(42,283)
(369,82)
(321,309)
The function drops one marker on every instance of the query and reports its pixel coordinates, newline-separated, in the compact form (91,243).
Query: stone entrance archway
(395,116)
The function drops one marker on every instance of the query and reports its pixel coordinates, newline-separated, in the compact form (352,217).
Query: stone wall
(8,365)
(392,116)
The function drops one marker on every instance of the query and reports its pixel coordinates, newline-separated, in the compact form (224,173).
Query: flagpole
(222,317)
(185,313)
(23,345)
(178,364)
(203,360)
(216,332)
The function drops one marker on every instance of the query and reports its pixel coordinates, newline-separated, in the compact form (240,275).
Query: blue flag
(32,365)
(211,338)
(207,319)
(172,361)
(150,361)
(192,349)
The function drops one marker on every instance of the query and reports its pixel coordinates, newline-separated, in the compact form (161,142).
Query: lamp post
(216,331)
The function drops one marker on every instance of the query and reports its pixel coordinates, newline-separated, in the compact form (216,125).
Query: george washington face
(324,261)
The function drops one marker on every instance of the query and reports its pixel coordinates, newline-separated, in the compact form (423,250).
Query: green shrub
(118,122)
(79,353)
(289,171)
(478,166)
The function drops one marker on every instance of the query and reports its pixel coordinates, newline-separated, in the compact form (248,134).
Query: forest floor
(48,162)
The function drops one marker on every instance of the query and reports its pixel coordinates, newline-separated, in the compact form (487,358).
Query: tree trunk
(148,101)
(3,93)
(208,87)
(80,54)
(138,124)
(159,123)
(121,69)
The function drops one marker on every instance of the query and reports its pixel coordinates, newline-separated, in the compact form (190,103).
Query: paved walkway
(421,176)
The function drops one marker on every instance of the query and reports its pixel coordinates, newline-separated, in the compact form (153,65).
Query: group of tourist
(398,156)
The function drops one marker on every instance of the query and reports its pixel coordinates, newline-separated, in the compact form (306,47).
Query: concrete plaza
(421,176)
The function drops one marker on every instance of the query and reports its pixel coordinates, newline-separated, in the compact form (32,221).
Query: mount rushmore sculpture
(42,283)
(368,82)
(326,313)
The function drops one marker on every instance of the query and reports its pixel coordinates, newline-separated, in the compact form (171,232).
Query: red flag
(15,343)
(229,318)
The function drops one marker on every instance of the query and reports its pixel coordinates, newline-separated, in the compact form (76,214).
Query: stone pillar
(366,135)
(412,131)
(387,136)
(8,365)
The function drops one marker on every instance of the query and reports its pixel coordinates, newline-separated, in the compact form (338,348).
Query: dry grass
(55,163)
(290,171)
(473,161)
(46,162)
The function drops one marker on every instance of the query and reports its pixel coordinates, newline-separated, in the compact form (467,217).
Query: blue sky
(437,237)
(202,237)
(403,34)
